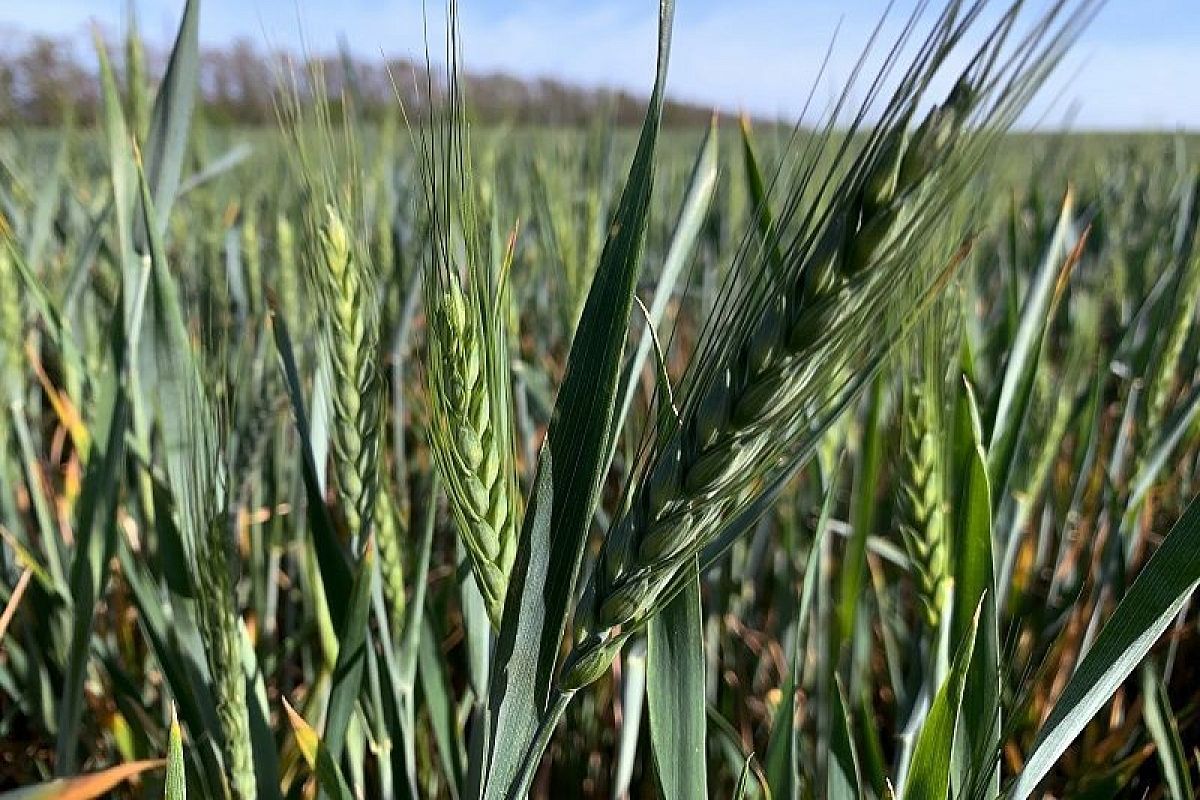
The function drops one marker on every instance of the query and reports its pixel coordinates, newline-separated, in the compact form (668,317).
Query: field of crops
(421,459)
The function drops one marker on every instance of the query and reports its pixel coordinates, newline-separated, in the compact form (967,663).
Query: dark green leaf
(570,470)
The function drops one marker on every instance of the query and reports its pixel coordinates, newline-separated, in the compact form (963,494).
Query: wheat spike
(390,531)
(219,625)
(1182,314)
(342,285)
(711,465)
(793,347)
(344,288)
(471,432)
(921,493)
(199,476)
(11,319)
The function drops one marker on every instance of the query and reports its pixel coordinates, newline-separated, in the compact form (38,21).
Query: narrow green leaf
(929,774)
(633,698)
(46,204)
(783,761)
(978,746)
(675,694)
(701,187)
(166,143)
(334,565)
(351,657)
(216,167)
(764,221)
(176,788)
(1164,730)
(1016,388)
(95,537)
(52,319)
(742,789)
(316,755)
(1169,436)
(570,470)
(873,765)
(1156,596)
(193,699)
(842,781)
(440,706)
(121,172)
(866,480)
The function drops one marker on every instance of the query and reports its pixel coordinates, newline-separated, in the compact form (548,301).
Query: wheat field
(407,455)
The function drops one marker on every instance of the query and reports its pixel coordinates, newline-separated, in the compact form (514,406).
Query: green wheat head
(11,315)
(471,433)
(921,502)
(466,303)
(792,345)
(199,474)
(342,285)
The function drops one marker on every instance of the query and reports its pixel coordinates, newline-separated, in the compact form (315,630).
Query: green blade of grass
(316,755)
(974,587)
(675,694)
(633,698)
(193,699)
(46,205)
(440,706)
(764,221)
(95,534)
(570,470)
(841,782)
(1157,457)
(866,477)
(334,565)
(1016,389)
(783,760)
(1156,596)
(1164,730)
(697,199)
(351,658)
(929,774)
(54,325)
(170,119)
(742,789)
(176,788)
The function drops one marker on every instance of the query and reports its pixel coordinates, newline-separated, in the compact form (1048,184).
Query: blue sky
(1138,66)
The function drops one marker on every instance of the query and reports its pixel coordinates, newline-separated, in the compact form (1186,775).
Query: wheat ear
(471,430)
(343,285)
(921,486)
(789,348)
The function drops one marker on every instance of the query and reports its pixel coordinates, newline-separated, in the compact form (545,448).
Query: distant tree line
(45,80)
